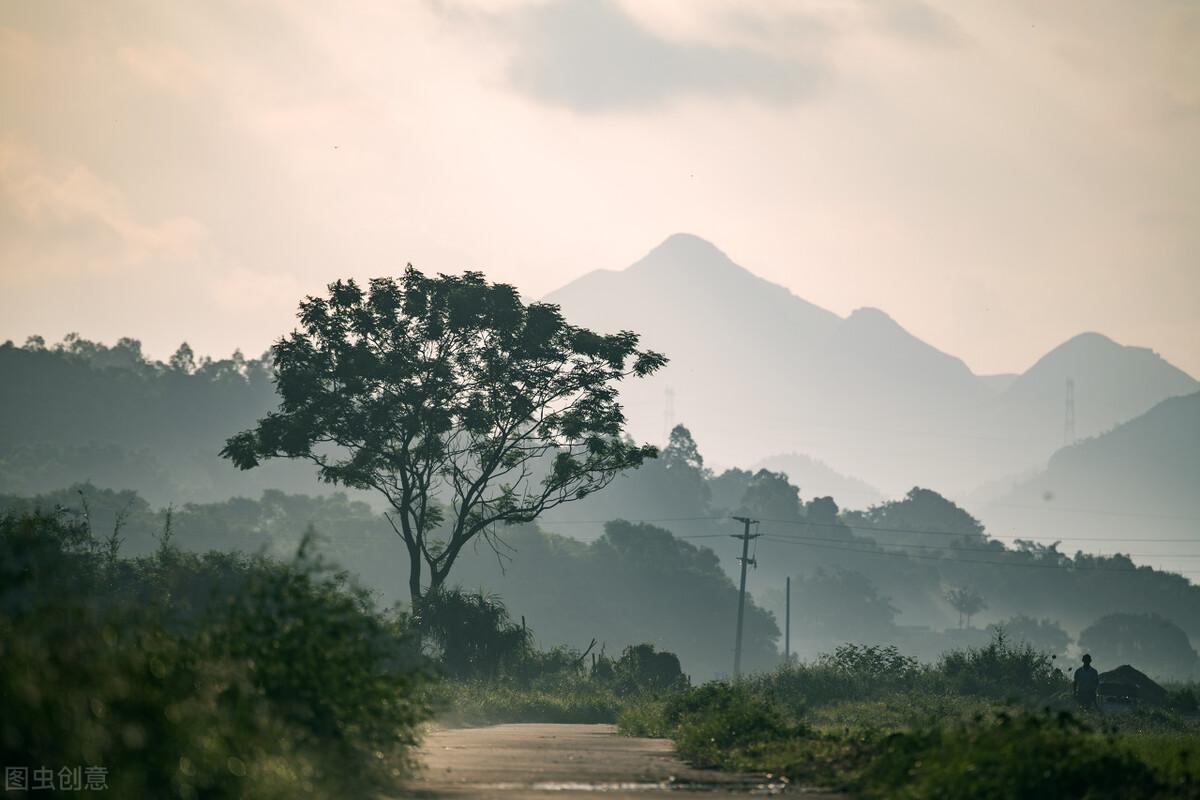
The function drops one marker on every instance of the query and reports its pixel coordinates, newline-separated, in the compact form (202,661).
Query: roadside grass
(479,702)
(866,721)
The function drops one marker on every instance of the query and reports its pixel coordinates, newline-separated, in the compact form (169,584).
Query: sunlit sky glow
(997,176)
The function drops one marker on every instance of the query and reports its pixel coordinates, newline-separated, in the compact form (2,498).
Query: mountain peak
(688,253)
(1088,340)
(869,315)
(688,244)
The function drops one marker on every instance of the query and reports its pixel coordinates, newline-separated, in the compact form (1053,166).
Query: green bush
(852,671)
(1001,669)
(1030,756)
(713,719)
(198,676)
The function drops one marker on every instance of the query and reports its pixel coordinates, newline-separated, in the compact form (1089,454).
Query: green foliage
(470,634)
(1024,755)
(559,699)
(713,719)
(869,720)
(188,675)
(851,671)
(449,390)
(643,669)
(1001,669)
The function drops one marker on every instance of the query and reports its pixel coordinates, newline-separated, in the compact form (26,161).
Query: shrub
(851,672)
(470,634)
(1000,669)
(287,683)
(1030,756)
(715,718)
(643,669)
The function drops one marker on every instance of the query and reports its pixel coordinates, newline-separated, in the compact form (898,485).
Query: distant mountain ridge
(758,370)
(1134,484)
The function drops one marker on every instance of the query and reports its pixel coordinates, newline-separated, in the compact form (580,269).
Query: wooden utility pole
(787,625)
(745,536)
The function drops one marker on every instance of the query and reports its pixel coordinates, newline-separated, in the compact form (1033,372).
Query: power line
(965,534)
(959,549)
(745,537)
(1102,512)
(615,519)
(1079,568)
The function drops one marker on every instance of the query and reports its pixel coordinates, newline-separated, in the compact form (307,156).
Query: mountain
(1112,383)
(1136,483)
(817,479)
(756,370)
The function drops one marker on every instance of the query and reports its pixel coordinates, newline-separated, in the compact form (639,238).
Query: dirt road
(514,762)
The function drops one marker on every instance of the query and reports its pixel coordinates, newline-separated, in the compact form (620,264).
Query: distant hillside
(86,412)
(1113,383)
(1138,482)
(817,479)
(757,370)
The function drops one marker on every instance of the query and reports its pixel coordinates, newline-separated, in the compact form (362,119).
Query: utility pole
(746,536)
(787,626)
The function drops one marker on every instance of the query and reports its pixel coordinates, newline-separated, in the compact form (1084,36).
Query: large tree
(464,407)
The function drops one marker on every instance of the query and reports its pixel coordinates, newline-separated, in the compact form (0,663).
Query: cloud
(592,57)
(919,21)
(87,220)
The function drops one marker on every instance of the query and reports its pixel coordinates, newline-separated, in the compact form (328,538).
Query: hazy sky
(998,176)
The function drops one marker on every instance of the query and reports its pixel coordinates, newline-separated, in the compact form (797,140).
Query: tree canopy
(460,404)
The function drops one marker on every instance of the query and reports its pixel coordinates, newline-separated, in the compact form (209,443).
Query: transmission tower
(1069,418)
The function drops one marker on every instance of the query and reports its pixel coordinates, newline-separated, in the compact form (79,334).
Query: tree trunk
(414,576)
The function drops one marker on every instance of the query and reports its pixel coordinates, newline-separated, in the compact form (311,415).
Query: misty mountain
(1115,492)
(757,370)
(1112,383)
(817,479)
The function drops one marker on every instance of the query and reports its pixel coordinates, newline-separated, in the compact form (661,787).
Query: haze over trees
(1135,482)
(1152,643)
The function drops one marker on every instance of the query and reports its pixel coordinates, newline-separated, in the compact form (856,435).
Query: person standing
(1086,682)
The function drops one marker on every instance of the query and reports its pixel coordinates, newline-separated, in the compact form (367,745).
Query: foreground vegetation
(228,675)
(184,675)
(990,722)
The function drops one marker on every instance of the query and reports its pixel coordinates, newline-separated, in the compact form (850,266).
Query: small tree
(463,406)
(967,602)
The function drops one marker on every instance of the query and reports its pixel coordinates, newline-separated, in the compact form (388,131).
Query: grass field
(880,727)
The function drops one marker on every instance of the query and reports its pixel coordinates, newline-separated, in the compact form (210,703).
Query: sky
(996,176)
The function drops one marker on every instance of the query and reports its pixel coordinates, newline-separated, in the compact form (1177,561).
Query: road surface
(556,762)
